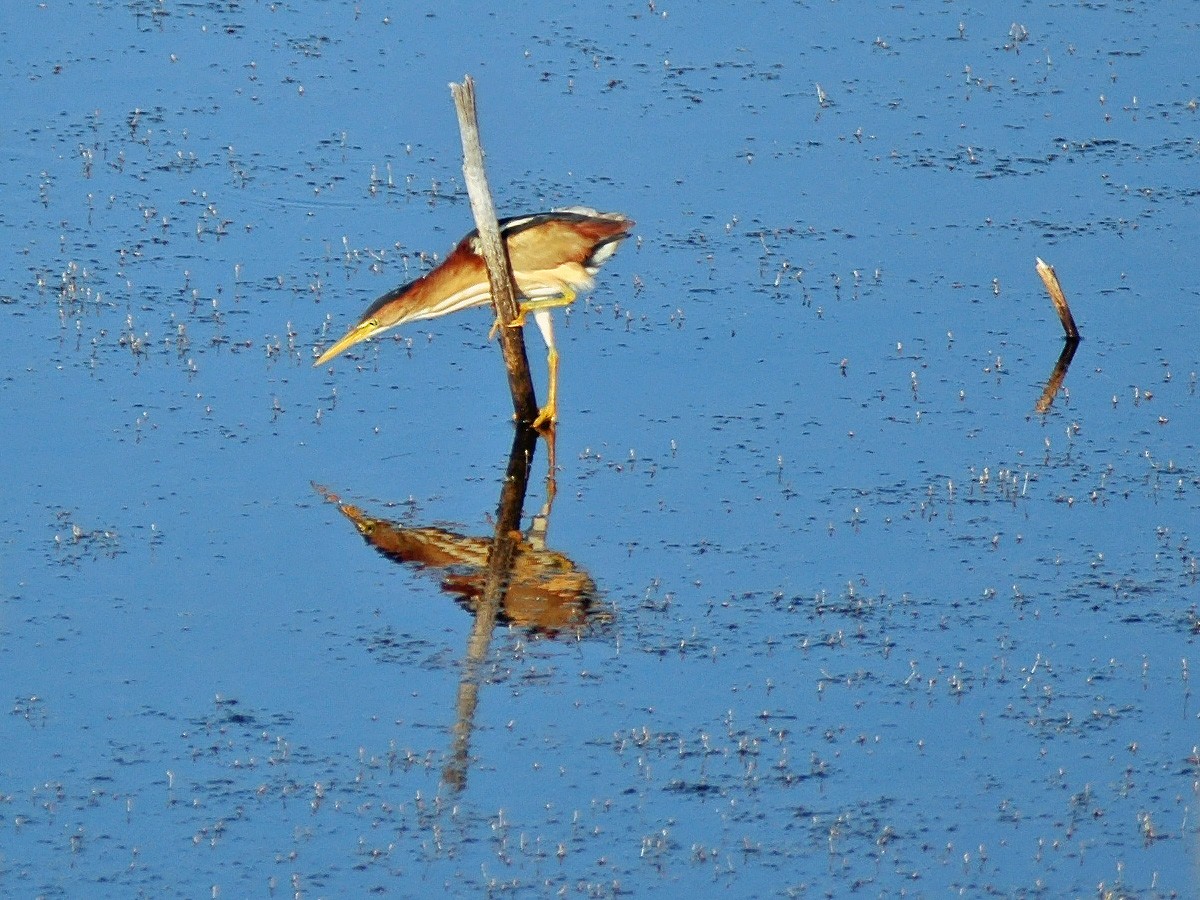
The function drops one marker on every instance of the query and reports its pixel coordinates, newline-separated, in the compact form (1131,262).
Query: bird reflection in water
(547,594)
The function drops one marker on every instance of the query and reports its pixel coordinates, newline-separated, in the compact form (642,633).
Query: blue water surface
(867,622)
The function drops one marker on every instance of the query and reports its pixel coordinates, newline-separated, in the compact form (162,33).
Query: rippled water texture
(822,606)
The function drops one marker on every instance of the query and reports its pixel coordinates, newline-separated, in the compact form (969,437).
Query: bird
(554,257)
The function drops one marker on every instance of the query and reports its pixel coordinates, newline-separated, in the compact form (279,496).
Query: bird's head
(366,328)
(388,311)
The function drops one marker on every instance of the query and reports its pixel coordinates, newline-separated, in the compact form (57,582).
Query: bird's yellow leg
(548,414)
(525,307)
(566,298)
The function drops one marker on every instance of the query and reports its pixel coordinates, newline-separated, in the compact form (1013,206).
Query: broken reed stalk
(503,552)
(504,292)
(1050,280)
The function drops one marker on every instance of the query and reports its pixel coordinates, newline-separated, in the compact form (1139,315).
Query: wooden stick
(504,293)
(502,554)
(1050,279)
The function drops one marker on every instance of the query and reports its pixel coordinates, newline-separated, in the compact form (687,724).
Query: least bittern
(553,256)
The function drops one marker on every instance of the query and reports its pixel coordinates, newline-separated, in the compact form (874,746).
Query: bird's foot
(547,418)
(518,322)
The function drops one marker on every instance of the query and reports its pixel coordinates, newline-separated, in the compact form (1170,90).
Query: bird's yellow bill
(357,334)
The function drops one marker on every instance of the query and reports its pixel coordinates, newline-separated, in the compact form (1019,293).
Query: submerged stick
(1055,381)
(1050,280)
(501,557)
(504,293)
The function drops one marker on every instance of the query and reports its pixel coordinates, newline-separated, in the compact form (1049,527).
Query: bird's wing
(548,240)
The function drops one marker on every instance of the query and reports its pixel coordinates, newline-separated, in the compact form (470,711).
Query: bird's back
(543,249)
(576,234)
